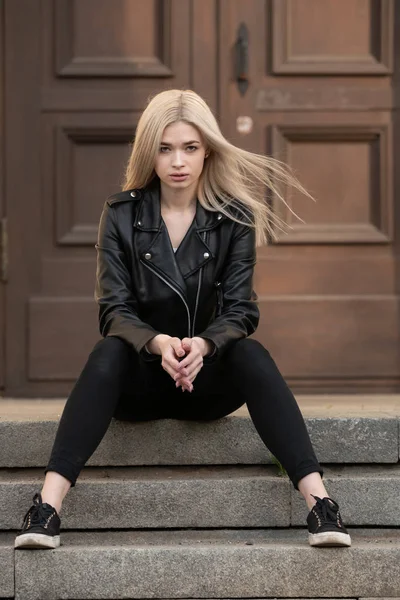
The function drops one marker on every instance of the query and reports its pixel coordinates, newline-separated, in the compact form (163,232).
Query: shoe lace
(38,514)
(327,508)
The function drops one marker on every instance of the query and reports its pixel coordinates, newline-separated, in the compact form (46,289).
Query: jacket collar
(148,215)
(193,252)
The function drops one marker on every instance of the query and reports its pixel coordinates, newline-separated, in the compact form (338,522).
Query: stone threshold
(319,405)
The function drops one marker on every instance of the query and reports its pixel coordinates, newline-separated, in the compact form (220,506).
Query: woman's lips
(180,177)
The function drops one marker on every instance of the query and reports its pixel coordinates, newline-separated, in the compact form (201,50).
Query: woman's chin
(178,185)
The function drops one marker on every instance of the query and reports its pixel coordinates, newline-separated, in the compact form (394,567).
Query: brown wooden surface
(396,154)
(75,112)
(329,289)
(2,211)
(320,96)
(332,37)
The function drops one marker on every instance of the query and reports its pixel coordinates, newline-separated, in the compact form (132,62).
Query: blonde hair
(231,177)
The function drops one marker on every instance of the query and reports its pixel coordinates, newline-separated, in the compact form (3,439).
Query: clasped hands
(191,352)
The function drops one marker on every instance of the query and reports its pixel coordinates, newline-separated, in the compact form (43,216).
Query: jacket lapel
(155,247)
(193,252)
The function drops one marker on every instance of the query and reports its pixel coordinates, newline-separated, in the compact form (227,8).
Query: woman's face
(180,158)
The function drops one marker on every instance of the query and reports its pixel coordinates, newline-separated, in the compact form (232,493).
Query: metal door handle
(242,59)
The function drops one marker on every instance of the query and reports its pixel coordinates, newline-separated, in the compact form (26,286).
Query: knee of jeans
(109,355)
(247,348)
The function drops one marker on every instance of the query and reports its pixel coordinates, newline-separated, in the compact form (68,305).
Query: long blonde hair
(231,178)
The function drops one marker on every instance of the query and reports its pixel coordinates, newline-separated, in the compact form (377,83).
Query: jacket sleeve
(239,313)
(114,291)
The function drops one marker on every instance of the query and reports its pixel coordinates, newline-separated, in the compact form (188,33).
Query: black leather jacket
(143,288)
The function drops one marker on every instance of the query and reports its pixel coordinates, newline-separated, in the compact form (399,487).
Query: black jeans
(116,382)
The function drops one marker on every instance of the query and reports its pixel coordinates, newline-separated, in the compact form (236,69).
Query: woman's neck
(180,200)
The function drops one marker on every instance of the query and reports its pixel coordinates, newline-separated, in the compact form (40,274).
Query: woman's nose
(177,159)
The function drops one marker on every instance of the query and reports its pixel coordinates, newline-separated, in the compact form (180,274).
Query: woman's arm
(114,288)
(240,315)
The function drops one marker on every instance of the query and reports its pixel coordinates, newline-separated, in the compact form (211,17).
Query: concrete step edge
(168,473)
(311,405)
(216,564)
(232,440)
(162,473)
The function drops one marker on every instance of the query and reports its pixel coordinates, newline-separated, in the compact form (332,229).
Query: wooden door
(3,233)
(319,96)
(78,75)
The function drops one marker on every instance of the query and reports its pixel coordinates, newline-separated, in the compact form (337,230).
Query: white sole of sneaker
(329,538)
(37,540)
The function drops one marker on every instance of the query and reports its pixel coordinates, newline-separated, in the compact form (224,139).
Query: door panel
(332,37)
(327,288)
(135,37)
(92,66)
(352,204)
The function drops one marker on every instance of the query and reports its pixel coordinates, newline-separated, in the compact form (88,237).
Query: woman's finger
(185,384)
(176,344)
(186,387)
(167,367)
(191,378)
(186,380)
(195,368)
(187,373)
(173,365)
(169,363)
(191,358)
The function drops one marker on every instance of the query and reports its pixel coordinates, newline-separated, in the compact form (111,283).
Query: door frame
(2,197)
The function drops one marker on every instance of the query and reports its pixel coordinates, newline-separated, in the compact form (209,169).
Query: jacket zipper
(218,288)
(175,290)
(198,293)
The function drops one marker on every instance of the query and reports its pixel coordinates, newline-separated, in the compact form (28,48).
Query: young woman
(176,254)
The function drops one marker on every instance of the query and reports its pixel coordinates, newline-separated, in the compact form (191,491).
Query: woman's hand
(195,348)
(170,349)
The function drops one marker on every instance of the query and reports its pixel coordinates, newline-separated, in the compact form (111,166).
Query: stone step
(210,564)
(27,431)
(152,497)
(6,565)
(203,497)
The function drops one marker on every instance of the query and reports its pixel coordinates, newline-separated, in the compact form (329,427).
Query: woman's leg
(275,413)
(54,490)
(248,374)
(311,486)
(87,415)
(112,383)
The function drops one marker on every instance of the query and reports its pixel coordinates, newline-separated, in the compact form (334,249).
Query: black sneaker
(325,524)
(41,527)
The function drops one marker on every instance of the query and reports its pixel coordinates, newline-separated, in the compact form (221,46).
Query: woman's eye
(165,149)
